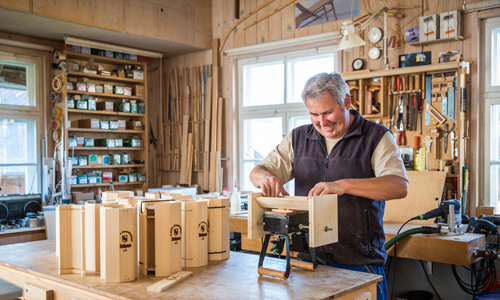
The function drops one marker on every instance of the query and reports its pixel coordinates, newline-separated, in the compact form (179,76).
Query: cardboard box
(127,91)
(117,55)
(107,177)
(109,195)
(139,75)
(104,159)
(70,85)
(89,142)
(134,125)
(122,124)
(121,73)
(91,104)
(109,53)
(118,142)
(72,142)
(73,160)
(73,180)
(136,143)
(92,160)
(117,89)
(115,159)
(126,56)
(79,196)
(123,178)
(113,124)
(71,103)
(141,177)
(108,88)
(141,108)
(82,104)
(82,79)
(99,89)
(125,159)
(139,91)
(80,141)
(132,177)
(104,124)
(82,160)
(104,106)
(428,28)
(110,143)
(450,24)
(133,108)
(91,87)
(81,179)
(86,50)
(91,179)
(122,107)
(133,57)
(87,123)
(81,86)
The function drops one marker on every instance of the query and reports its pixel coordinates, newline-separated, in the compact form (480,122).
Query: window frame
(33,113)
(286,110)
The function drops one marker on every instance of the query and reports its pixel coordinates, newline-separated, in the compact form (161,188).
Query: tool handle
(393,83)
(417,82)
(411,83)
(405,83)
(463,100)
(393,41)
(302,265)
(271,272)
(416,143)
(401,138)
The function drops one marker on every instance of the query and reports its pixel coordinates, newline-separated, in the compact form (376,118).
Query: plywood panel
(21,5)
(106,14)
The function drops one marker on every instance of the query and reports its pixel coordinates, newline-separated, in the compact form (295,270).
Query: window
(20,124)
(270,105)
(490,107)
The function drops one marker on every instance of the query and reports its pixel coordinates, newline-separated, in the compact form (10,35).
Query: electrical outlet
(365,296)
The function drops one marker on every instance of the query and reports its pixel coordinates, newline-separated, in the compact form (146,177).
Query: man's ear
(347,101)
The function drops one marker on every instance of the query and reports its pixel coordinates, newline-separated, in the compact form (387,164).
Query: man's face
(328,117)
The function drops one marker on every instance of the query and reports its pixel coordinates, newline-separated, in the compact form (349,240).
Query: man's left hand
(325,188)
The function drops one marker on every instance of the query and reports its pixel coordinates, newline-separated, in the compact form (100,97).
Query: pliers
(399,124)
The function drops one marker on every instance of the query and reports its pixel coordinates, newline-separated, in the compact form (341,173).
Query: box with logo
(107,176)
(139,75)
(99,89)
(108,88)
(70,85)
(80,141)
(91,87)
(136,143)
(122,124)
(132,177)
(122,107)
(103,160)
(125,159)
(89,142)
(71,103)
(134,125)
(139,90)
(117,89)
(82,104)
(133,108)
(87,123)
(82,79)
(118,142)
(115,159)
(141,177)
(105,106)
(450,24)
(91,104)
(127,91)
(73,180)
(133,57)
(109,53)
(92,159)
(98,179)
(73,160)
(110,143)
(82,160)
(141,108)
(82,179)
(118,55)
(91,179)
(122,178)
(72,142)
(81,86)
(428,28)
(113,124)
(104,124)
(86,50)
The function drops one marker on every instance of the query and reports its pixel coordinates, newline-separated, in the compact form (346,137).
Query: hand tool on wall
(446,132)
(401,136)
(415,147)
(453,140)
(405,101)
(392,88)
(428,142)
(427,98)
(410,103)
(436,114)
(416,103)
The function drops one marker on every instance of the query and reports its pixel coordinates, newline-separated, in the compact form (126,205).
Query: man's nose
(323,120)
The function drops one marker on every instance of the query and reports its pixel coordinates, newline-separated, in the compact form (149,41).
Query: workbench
(22,235)
(36,264)
(428,247)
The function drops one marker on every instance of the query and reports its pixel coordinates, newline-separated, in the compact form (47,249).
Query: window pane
(247,168)
(297,121)
(494,184)
(301,69)
(19,141)
(495,133)
(18,180)
(261,136)
(263,83)
(15,83)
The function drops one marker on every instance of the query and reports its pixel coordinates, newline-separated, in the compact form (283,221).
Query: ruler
(451,104)
(428,87)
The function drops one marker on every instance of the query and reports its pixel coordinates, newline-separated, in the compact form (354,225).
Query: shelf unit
(69,115)
(439,41)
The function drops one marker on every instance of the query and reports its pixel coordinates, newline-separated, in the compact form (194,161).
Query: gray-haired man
(340,153)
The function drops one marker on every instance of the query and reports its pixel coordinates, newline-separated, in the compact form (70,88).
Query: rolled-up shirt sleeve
(280,160)
(386,159)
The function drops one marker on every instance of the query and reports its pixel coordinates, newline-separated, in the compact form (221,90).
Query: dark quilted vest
(361,234)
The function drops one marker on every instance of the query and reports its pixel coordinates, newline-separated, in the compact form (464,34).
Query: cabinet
(112,120)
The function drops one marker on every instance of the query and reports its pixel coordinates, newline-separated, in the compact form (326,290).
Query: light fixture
(110,47)
(350,38)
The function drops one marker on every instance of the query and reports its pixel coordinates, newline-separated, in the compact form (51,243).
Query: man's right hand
(272,187)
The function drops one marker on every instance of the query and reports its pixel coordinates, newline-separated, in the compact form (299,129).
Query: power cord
(429,280)
(395,248)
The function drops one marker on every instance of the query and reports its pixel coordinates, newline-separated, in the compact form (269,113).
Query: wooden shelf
(109,113)
(446,40)
(104,77)
(106,148)
(108,166)
(379,115)
(402,71)
(104,95)
(106,184)
(103,59)
(179,170)
(105,130)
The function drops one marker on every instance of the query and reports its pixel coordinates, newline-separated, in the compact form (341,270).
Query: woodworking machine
(287,225)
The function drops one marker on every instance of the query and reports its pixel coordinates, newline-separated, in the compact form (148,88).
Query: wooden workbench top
(236,277)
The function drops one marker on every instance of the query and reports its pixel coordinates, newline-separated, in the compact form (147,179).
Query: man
(340,153)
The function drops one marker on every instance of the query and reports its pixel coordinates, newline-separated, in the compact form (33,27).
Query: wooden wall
(182,21)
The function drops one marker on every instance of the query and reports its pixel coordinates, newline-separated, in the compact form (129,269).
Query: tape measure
(57,84)
(55,124)
(54,98)
(56,113)
(56,136)
(59,56)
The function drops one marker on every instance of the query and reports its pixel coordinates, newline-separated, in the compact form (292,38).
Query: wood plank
(238,224)
(20,5)
(274,22)
(168,243)
(218,236)
(194,233)
(169,281)
(263,26)
(32,292)
(71,238)
(202,23)
(255,216)
(322,213)
(103,95)
(92,237)
(288,22)
(424,191)
(106,78)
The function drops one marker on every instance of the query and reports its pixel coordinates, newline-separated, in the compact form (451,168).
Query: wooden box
(160,237)
(218,236)
(70,238)
(118,243)
(194,233)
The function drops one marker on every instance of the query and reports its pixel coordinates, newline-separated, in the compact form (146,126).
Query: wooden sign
(118,243)
(195,233)
(71,238)
(218,230)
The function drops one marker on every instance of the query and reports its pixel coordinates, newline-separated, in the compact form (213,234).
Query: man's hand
(272,187)
(326,188)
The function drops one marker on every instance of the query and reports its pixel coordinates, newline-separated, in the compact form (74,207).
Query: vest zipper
(367,222)
(325,168)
